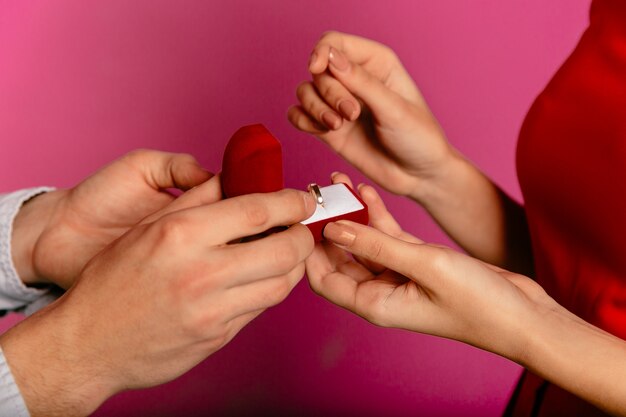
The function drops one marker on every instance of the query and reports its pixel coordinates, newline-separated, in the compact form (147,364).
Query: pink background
(82,82)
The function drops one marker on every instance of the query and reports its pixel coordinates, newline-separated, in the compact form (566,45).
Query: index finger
(416,261)
(247,215)
(357,49)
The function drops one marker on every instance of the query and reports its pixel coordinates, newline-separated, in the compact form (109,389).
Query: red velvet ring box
(253,163)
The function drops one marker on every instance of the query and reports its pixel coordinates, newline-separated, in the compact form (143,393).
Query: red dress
(571,162)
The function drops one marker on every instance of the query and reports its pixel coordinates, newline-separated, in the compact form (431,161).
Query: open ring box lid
(253,163)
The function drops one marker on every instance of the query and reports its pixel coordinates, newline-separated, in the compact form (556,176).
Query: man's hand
(160,299)
(56,233)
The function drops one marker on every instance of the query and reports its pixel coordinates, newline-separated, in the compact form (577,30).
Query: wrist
(543,334)
(523,331)
(556,338)
(53,365)
(436,186)
(577,356)
(513,327)
(28,225)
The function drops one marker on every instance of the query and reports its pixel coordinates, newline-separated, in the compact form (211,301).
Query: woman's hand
(393,279)
(76,224)
(160,299)
(365,106)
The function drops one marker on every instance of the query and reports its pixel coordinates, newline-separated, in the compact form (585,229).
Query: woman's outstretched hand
(394,279)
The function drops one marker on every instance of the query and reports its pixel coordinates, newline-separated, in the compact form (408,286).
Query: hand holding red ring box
(253,163)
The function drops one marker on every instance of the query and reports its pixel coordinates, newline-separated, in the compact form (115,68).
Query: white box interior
(338,200)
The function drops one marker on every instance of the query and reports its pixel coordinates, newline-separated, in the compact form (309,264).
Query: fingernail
(331,120)
(338,60)
(348,109)
(340,233)
(333,175)
(312,59)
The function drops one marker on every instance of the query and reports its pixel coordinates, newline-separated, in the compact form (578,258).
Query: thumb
(206,193)
(169,170)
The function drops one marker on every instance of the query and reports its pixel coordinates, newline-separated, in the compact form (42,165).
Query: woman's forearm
(478,216)
(578,357)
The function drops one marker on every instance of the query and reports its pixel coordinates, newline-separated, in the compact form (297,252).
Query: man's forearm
(53,364)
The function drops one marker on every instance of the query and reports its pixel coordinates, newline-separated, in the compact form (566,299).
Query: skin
(393,138)
(160,298)
(56,233)
(394,279)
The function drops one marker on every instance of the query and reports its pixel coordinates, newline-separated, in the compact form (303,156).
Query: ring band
(314,189)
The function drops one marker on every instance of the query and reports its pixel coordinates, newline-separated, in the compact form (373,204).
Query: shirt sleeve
(11,401)
(13,293)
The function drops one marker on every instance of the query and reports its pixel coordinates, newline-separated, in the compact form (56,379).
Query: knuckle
(304,123)
(221,339)
(193,321)
(389,53)
(294,204)
(292,113)
(373,315)
(303,240)
(380,315)
(201,322)
(326,89)
(328,35)
(301,90)
(285,255)
(191,324)
(172,230)
(364,78)
(313,107)
(255,213)
(186,158)
(374,249)
(441,261)
(297,119)
(215,328)
(373,310)
(139,155)
(280,292)
(398,113)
